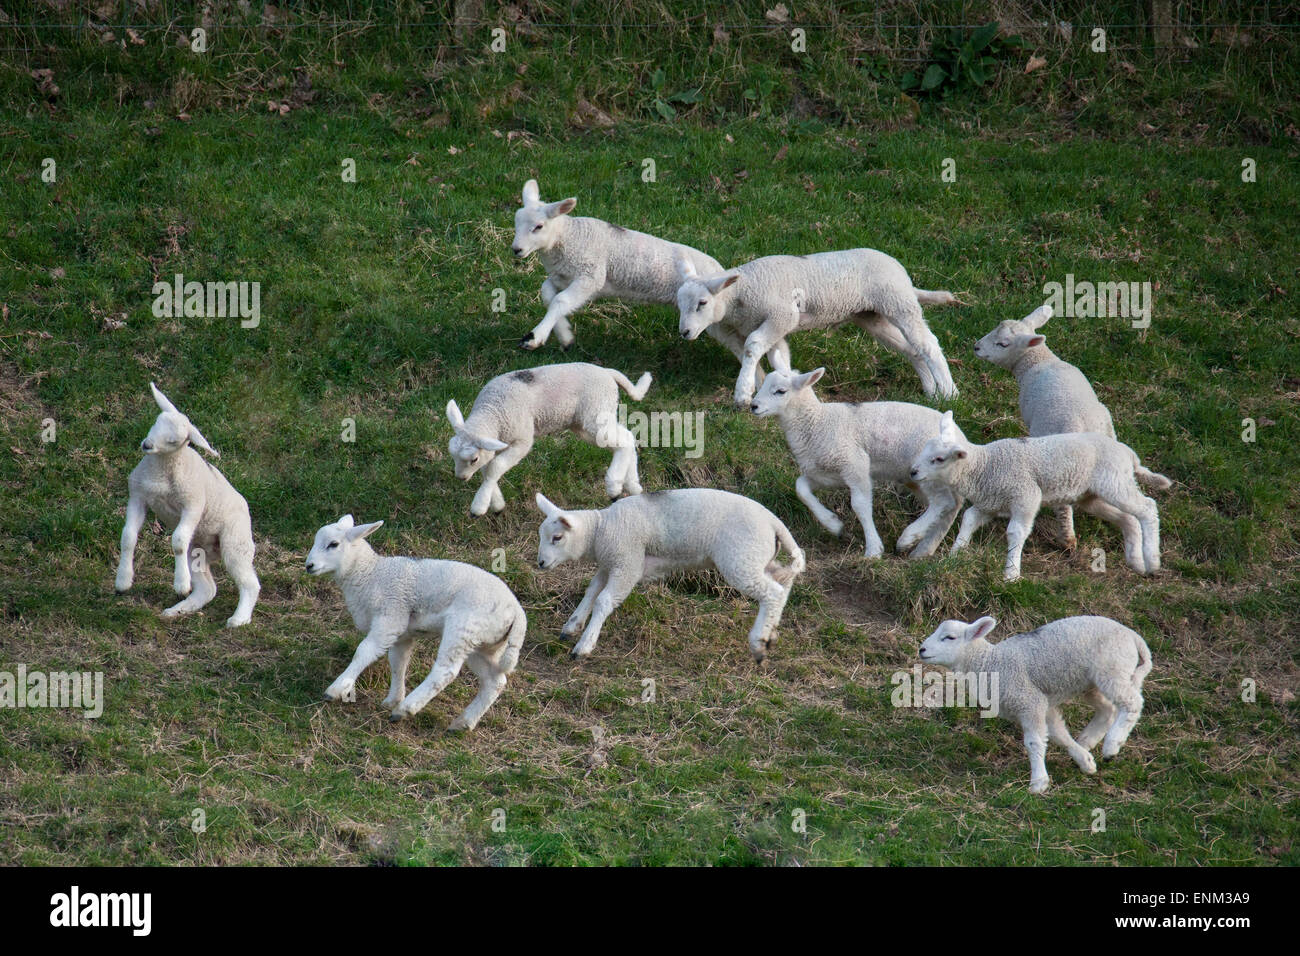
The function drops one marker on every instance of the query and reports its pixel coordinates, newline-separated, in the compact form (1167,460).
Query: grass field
(376,305)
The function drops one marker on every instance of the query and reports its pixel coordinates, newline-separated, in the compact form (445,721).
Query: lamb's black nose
(310,566)
(754,407)
(517,251)
(913,472)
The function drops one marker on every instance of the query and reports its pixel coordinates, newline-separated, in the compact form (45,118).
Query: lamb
(765,300)
(1014,477)
(588,259)
(1095,657)
(207,515)
(856,445)
(652,535)
(1055,396)
(514,408)
(393,599)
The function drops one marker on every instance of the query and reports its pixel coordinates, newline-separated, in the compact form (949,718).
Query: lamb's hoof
(528,342)
(458,726)
(1090,767)
(237,621)
(394,718)
(574,655)
(565,348)
(1039,786)
(119,590)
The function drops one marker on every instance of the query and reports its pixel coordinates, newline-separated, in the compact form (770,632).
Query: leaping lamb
(207,515)
(765,300)
(514,408)
(588,259)
(392,599)
(1094,657)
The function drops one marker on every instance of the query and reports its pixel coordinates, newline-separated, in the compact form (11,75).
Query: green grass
(376,305)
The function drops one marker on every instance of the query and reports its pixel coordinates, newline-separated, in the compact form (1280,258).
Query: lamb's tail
(514,641)
(925,297)
(785,574)
(1146,476)
(638,390)
(1144,661)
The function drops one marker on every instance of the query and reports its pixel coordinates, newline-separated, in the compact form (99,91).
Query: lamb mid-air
(654,534)
(208,516)
(393,599)
(1094,657)
(765,300)
(589,259)
(513,409)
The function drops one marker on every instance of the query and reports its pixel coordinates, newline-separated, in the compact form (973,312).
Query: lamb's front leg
(383,635)
(562,305)
(1019,526)
(488,494)
(182,537)
(1035,736)
(583,610)
(761,341)
(829,521)
(971,521)
(135,515)
(620,582)
(922,537)
(859,482)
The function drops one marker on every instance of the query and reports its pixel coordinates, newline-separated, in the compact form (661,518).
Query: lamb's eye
(702,304)
(331,546)
(947,637)
(780,391)
(938,461)
(1002,345)
(537,228)
(555,538)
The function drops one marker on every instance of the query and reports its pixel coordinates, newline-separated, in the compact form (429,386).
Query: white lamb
(588,259)
(480,621)
(1055,396)
(1014,477)
(514,408)
(763,301)
(1095,657)
(208,515)
(652,535)
(857,445)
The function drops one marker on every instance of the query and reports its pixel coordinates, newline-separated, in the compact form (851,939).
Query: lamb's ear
(716,284)
(546,506)
(345,522)
(565,522)
(161,399)
(532,196)
(981,628)
(489,444)
(1031,340)
(1038,317)
(947,427)
(685,268)
(561,208)
(454,416)
(198,441)
(361,530)
(810,378)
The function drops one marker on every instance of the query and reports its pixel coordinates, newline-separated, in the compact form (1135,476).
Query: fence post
(467,15)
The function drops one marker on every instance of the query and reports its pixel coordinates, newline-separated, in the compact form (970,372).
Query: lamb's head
(697,298)
(536,222)
(781,387)
(943,455)
(1005,345)
(172,431)
(951,638)
(337,546)
(469,452)
(562,537)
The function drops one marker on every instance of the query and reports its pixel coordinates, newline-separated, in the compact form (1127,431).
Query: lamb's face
(556,541)
(1007,343)
(328,550)
(467,456)
(697,305)
(938,459)
(170,433)
(536,221)
(775,393)
(945,645)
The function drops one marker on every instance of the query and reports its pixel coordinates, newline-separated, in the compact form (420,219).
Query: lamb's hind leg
(239,565)
(1129,526)
(883,332)
(1065,527)
(1058,732)
(458,639)
(1128,708)
(399,659)
(491,682)
(203,585)
(910,322)
(1103,716)
(752,579)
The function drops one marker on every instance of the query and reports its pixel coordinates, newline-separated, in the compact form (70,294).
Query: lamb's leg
(911,323)
(751,578)
(879,329)
(1035,736)
(860,499)
(488,493)
(1018,529)
(928,531)
(1102,718)
(761,341)
(399,659)
(204,586)
(803,488)
(135,515)
(459,639)
(583,610)
(491,682)
(1065,527)
(1128,526)
(971,521)
(562,305)
(1059,733)
(383,634)
(619,584)
(1128,708)
(624,460)
(239,565)
(182,539)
